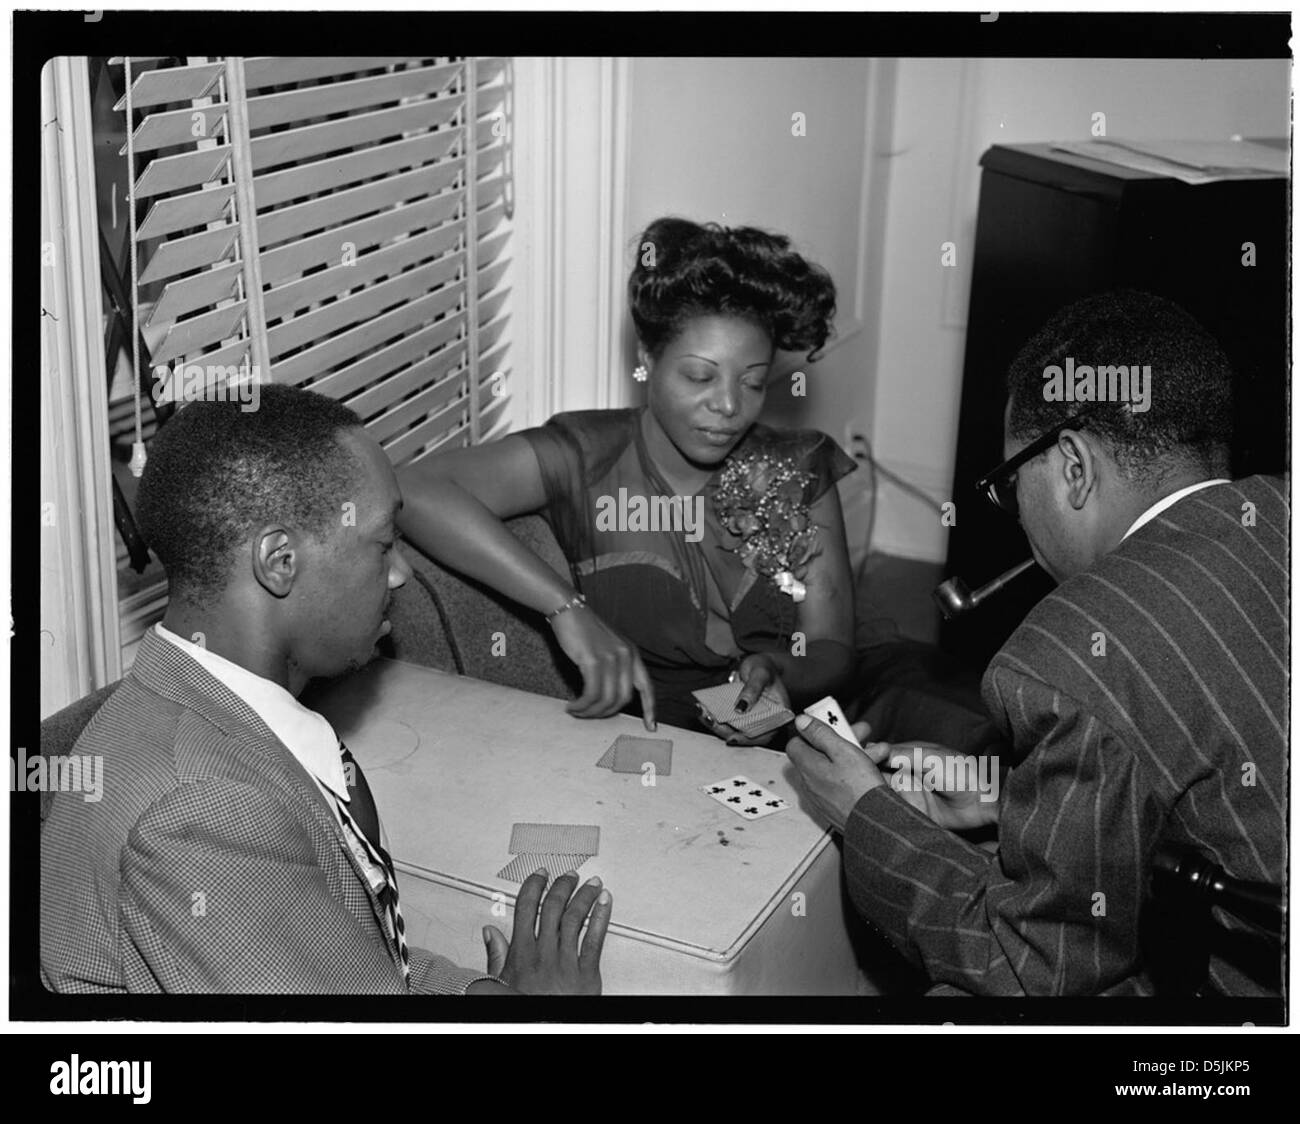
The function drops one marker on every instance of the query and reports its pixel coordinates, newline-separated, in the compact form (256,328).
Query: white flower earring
(640,373)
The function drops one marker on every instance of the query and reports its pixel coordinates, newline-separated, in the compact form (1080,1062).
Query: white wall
(947,112)
(888,171)
(713,140)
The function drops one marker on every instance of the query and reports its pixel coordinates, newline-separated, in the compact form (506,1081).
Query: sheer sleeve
(827,462)
(574,450)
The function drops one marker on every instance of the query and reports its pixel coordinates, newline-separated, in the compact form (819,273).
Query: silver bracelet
(577,601)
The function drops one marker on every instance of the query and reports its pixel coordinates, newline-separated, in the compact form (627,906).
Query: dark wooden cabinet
(1054,227)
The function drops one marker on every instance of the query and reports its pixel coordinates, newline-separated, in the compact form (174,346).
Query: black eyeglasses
(999,486)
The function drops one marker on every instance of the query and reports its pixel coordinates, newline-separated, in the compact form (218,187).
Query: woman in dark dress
(701,544)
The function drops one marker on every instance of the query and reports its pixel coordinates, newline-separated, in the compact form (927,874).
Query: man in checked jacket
(1145,699)
(236,846)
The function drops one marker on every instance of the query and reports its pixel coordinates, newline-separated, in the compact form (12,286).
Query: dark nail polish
(742,706)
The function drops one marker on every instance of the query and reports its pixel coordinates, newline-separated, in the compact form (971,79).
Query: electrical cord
(867,457)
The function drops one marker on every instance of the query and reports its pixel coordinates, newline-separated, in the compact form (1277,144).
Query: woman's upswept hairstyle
(685,269)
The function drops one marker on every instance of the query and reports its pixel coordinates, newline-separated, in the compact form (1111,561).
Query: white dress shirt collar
(1169,501)
(304,733)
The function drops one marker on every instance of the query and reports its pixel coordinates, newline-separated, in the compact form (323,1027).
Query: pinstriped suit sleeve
(1055,910)
(221,892)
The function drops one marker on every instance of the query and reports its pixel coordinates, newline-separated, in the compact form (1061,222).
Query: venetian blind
(340,224)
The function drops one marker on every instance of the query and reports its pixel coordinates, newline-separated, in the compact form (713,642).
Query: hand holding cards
(828,710)
(718,705)
(752,801)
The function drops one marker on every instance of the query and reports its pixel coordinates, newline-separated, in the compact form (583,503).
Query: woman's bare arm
(454,504)
(453,509)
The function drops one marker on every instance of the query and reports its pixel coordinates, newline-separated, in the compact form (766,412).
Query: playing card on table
(521,866)
(766,714)
(746,799)
(554,839)
(630,755)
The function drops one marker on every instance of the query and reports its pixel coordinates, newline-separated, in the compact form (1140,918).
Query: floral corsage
(759,499)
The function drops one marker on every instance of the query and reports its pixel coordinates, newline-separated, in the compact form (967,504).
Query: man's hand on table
(837,775)
(548,954)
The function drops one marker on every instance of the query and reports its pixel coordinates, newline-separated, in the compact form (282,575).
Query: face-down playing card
(554,839)
(521,866)
(630,754)
(749,800)
(767,713)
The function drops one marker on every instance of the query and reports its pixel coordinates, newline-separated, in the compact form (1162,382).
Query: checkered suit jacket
(212,863)
(1174,732)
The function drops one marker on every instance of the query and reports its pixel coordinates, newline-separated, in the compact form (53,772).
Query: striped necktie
(362,818)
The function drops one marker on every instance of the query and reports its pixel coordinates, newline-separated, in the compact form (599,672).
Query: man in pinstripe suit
(1145,698)
(236,846)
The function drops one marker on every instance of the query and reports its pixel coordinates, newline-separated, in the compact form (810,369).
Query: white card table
(705,902)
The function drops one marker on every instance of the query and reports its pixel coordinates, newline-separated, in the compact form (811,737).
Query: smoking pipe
(955,599)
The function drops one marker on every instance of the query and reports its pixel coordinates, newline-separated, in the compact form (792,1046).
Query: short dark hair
(1189,419)
(216,473)
(685,269)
